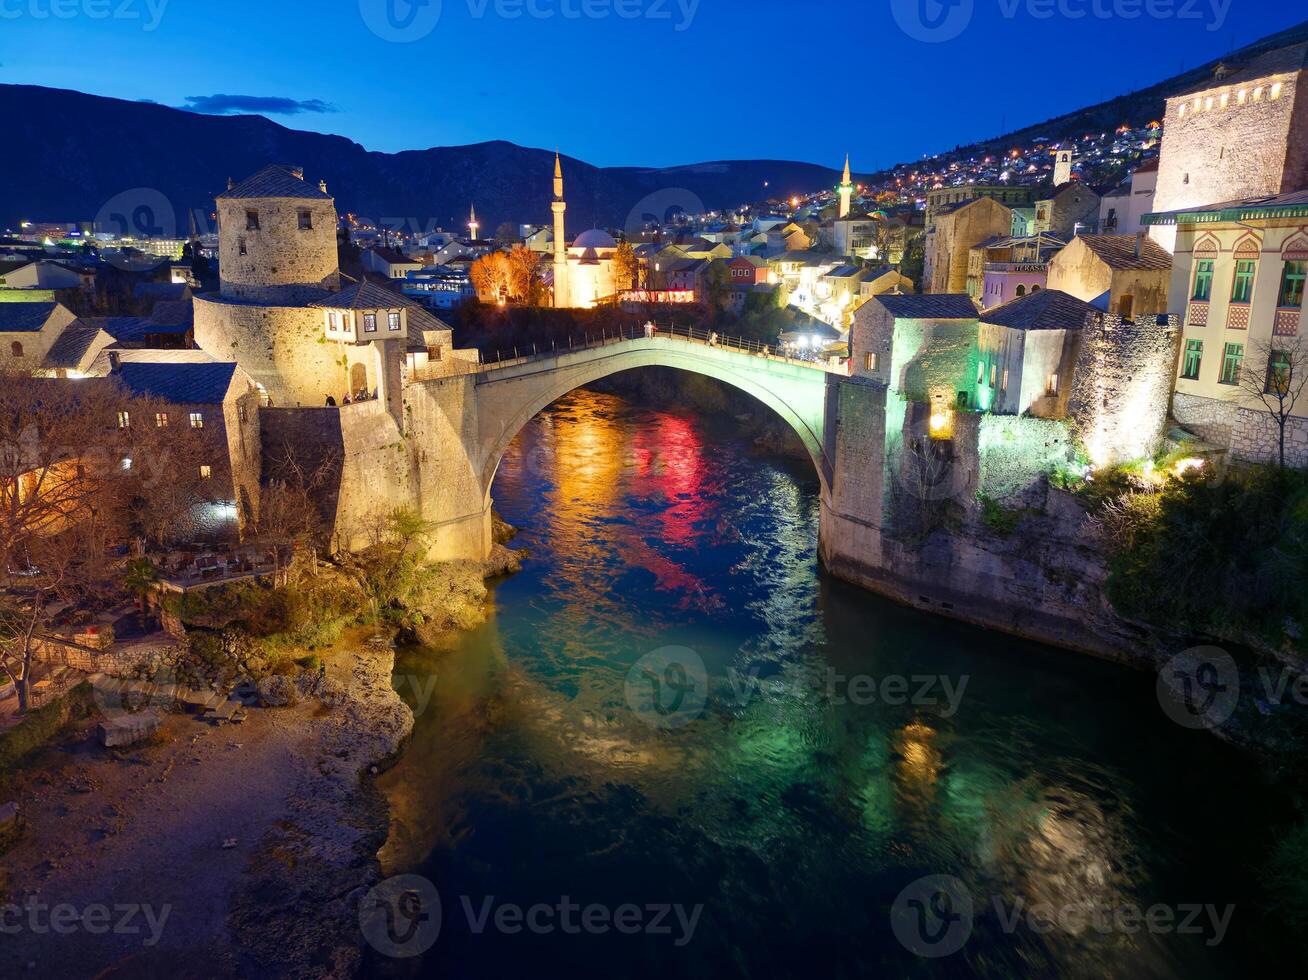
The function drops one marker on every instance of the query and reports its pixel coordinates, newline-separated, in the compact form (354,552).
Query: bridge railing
(508,357)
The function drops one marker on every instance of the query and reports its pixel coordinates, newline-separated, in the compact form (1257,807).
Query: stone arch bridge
(441,456)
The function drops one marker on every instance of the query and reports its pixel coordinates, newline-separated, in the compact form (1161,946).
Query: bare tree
(289,519)
(1276,374)
(524,275)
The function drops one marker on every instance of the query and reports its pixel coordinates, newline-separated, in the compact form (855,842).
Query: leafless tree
(1275,375)
(289,518)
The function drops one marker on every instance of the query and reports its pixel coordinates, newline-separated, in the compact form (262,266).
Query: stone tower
(559,207)
(1062,167)
(277,254)
(846,190)
(277,238)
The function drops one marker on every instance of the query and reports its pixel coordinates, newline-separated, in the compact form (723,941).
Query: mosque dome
(595,239)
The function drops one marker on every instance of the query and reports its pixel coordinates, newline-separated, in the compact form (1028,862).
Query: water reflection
(794,816)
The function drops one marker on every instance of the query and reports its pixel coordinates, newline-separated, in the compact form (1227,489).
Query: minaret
(560,239)
(473,223)
(846,190)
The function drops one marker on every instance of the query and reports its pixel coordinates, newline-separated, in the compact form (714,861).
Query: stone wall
(282,348)
(1255,438)
(283,264)
(1211,419)
(1015,452)
(1123,386)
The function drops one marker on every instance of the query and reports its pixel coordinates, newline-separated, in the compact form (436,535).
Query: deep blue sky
(788,79)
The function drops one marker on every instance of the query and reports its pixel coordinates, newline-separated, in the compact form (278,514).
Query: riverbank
(244,847)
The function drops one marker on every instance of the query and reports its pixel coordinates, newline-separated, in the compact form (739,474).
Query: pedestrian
(346,401)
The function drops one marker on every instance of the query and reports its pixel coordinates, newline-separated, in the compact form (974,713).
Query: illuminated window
(981,373)
(1203,281)
(306,221)
(1181,112)
(197,420)
(1225,99)
(1275,93)
(1003,385)
(994,374)
(1292,285)
(161,420)
(1244,277)
(1258,94)
(1279,373)
(1243,97)
(1051,385)
(870,361)
(127,462)
(393,321)
(124,420)
(206,472)
(370,323)
(1194,358)
(332,322)
(251,220)
(1232,361)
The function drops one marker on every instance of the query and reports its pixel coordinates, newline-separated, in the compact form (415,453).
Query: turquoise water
(845,748)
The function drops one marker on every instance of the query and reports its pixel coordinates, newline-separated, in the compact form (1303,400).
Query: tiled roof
(1047,309)
(367,295)
(24,317)
(1293,204)
(276,180)
(182,383)
(1129,252)
(169,291)
(72,345)
(392,256)
(936,306)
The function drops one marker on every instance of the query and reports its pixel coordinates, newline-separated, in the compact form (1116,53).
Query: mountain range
(79,157)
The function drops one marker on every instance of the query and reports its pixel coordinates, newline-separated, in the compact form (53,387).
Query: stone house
(388,262)
(1240,135)
(1069,210)
(222,401)
(1028,349)
(1004,269)
(940,199)
(1128,275)
(1238,291)
(884,279)
(28,331)
(954,232)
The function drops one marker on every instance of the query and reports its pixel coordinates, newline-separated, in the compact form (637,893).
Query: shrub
(43,725)
(996,517)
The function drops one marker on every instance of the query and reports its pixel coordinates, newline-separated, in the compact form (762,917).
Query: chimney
(322,186)
(1139,242)
(230,183)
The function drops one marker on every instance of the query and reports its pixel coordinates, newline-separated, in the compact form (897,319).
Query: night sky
(675,81)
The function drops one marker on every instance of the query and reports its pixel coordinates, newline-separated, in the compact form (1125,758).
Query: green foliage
(43,725)
(996,517)
(1223,554)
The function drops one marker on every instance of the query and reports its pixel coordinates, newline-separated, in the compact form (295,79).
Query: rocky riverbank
(242,849)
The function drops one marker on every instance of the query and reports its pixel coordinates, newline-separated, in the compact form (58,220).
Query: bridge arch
(510,397)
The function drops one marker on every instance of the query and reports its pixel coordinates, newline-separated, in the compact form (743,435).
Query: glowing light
(1190,464)
(941,423)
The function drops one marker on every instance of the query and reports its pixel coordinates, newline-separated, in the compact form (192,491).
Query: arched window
(1035,289)
(1021,290)
(16,348)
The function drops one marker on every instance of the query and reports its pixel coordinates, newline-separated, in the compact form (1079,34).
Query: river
(733,765)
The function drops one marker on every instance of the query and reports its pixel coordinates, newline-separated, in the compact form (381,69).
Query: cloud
(223,105)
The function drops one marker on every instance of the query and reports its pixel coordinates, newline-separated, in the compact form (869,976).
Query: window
(1051,385)
(393,321)
(1292,285)
(124,420)
(1279,373)
(1194,358)
(981,373)
(306,221)
(197,420)
(370,323)
(331,322)
(251,220)
(1232,361)
(206,472)
(1244,277)
(1275,92)
(1203,281)
(1021,290)
(994,374)
(161,420)
(240,245)
(869,361)
(1125,306)
(16,349)
(1003,385)
(127,463)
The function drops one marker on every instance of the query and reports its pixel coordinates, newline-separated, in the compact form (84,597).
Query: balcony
(1027,267)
